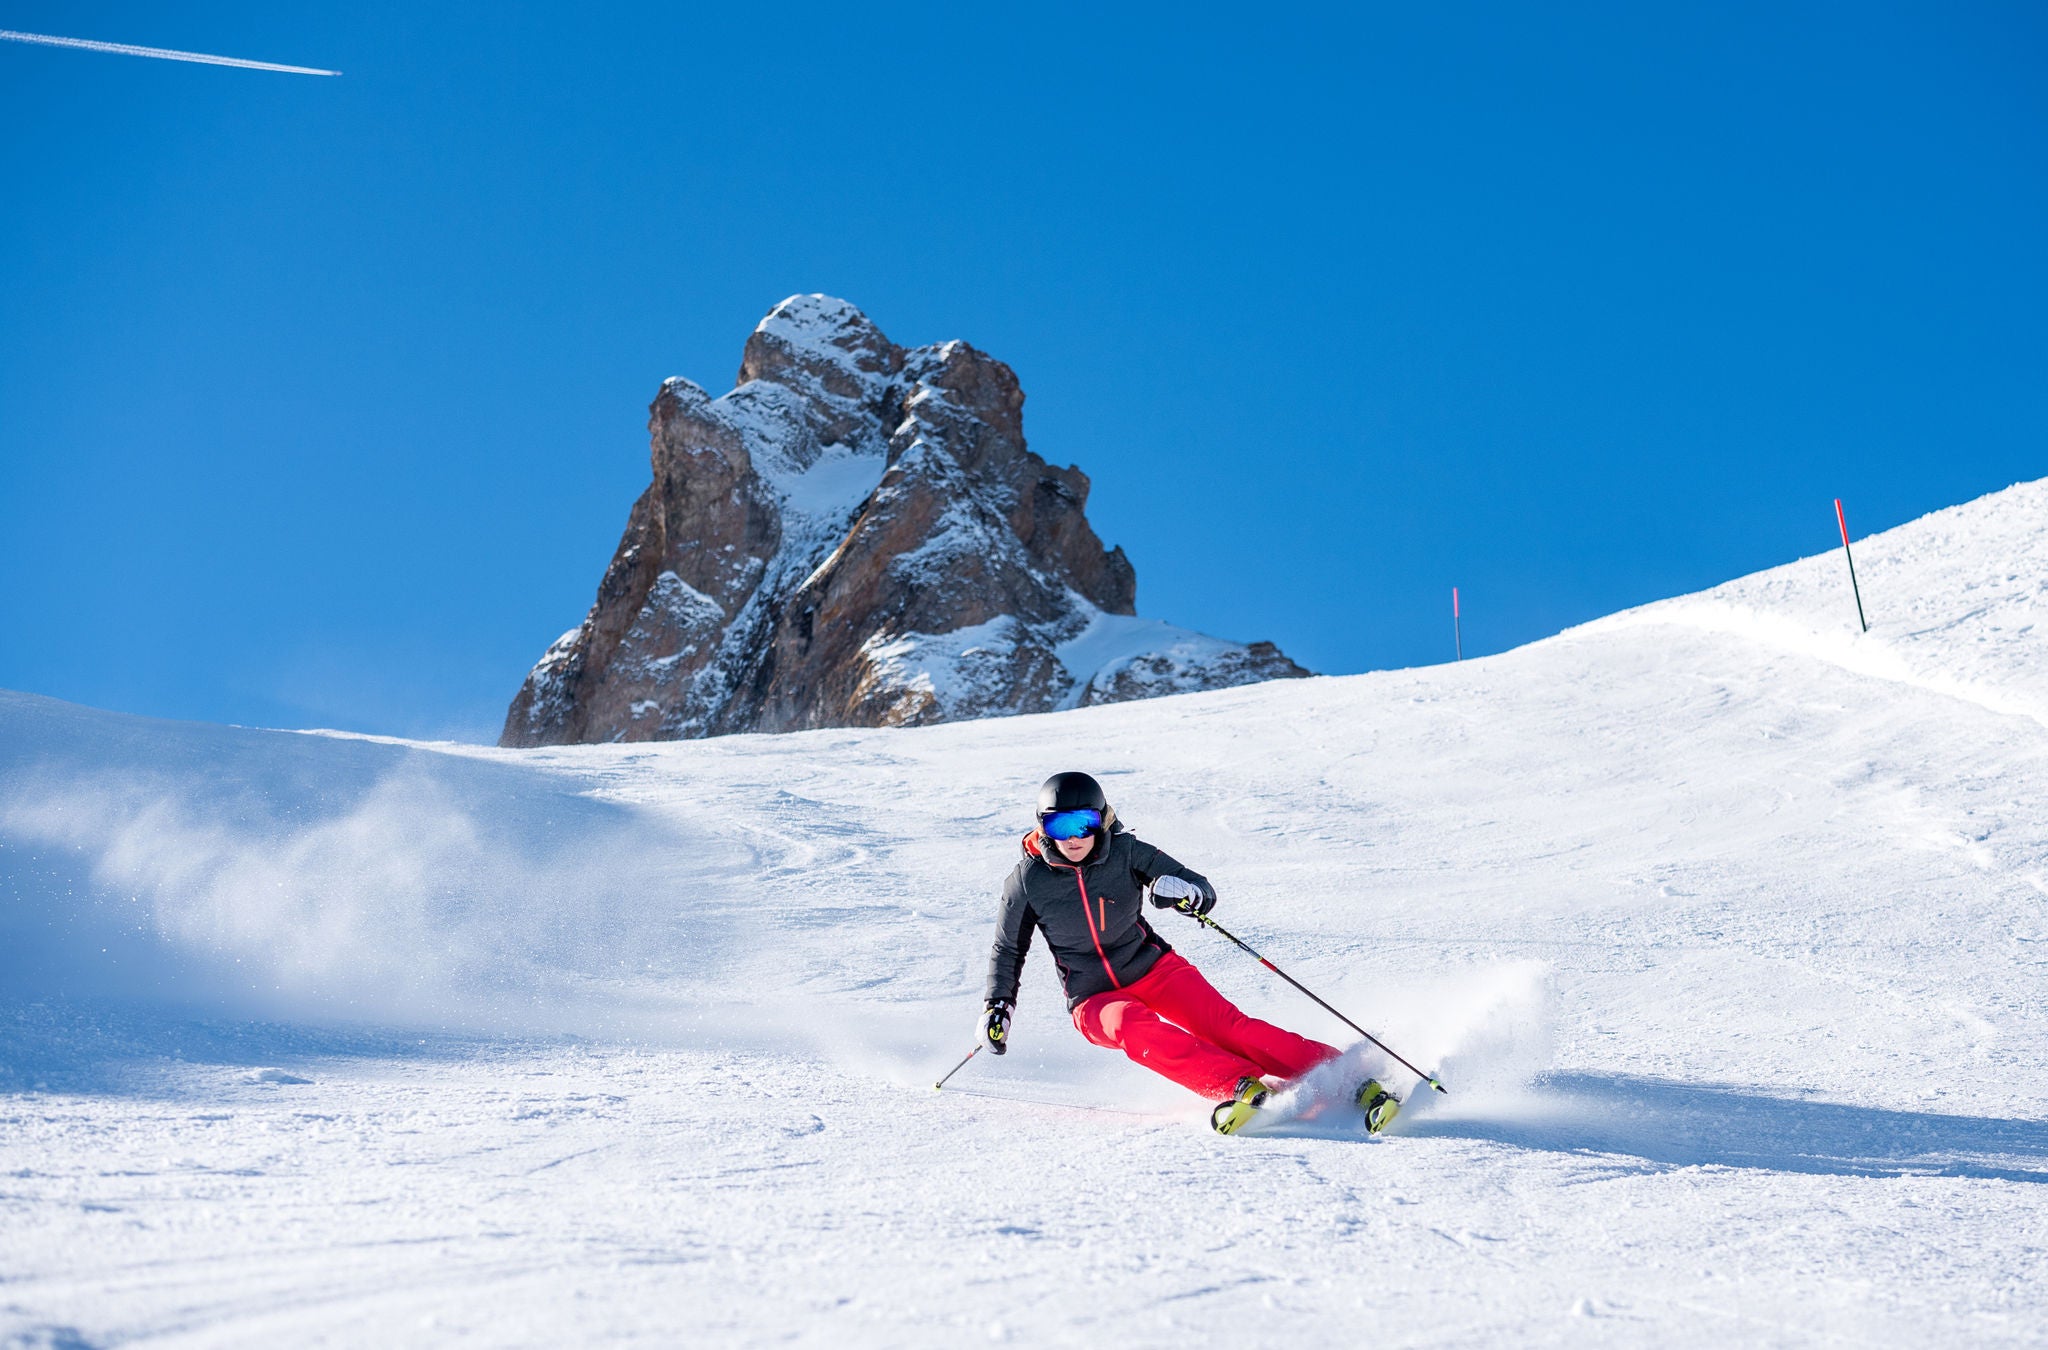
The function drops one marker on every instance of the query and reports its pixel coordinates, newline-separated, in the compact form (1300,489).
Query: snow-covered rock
(856,535)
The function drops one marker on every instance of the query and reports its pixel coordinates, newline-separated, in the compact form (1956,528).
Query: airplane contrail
(161,53)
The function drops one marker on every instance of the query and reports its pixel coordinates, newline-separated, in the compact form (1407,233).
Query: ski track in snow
(1723,922)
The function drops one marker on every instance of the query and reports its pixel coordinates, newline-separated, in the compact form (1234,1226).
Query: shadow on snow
(1673,1124)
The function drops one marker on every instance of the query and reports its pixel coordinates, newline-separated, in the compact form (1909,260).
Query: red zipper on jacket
(1093,935)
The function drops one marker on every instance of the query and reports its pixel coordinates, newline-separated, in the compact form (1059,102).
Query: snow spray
(426,890)
(1854,589)
(1457,628)
(1246,948)
(1487,1027)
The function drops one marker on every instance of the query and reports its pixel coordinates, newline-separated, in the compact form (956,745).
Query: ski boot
(1243,1106)
(1380,1106)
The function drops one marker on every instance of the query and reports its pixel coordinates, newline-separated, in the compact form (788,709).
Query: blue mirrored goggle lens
(1070,824)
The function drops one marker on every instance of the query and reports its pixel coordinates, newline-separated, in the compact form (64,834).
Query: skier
(1082,882)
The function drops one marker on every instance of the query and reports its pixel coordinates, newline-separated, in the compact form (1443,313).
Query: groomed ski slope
(1723,922)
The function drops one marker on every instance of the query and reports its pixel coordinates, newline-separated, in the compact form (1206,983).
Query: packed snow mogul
(1083,882)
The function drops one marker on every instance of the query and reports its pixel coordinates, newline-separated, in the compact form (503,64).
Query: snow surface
(1723,922)
(1111,642)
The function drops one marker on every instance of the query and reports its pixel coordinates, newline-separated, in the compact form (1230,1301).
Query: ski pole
(1246,947)
(957,1067)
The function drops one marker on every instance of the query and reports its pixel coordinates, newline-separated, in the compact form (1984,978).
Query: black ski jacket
(1088,912)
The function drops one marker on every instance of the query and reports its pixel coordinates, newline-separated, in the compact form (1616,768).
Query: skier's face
(1073,850)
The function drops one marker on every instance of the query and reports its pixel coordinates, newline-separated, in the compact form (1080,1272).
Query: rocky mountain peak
(856,535)
(816,344)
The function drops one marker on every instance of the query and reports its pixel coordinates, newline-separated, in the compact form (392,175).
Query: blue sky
(322,401)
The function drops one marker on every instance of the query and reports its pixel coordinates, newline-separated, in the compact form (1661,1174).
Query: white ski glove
(1183,895)
(995,1026)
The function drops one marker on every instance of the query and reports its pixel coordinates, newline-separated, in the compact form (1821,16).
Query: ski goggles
(1070,824)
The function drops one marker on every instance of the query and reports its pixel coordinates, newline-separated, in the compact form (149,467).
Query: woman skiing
(1082,882)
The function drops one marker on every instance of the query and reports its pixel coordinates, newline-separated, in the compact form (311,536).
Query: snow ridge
(1940,620)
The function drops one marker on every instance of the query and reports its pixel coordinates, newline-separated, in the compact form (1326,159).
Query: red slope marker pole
(1457,628)
(1854,589)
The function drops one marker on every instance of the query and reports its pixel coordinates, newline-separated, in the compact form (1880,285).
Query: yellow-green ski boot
(1380,1106)
(1233,1115)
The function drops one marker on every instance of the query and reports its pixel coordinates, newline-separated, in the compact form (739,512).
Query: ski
(1378,1103)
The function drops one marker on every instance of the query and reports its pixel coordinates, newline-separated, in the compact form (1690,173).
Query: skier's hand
(1183,895)
(995,1026)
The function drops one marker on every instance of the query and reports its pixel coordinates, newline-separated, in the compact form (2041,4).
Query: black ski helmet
(1074,792)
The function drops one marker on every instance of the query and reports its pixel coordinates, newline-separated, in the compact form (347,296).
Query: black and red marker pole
(1854,589)
(1457,627)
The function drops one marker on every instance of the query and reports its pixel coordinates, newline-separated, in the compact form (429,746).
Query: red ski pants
(1173,1022)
